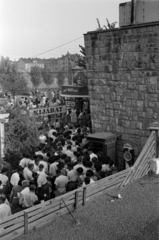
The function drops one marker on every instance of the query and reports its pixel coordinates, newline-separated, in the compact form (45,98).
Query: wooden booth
(104,142)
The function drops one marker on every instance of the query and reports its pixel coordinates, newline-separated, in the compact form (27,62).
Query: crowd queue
(63,161)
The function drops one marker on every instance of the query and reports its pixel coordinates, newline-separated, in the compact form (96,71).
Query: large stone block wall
(123,79)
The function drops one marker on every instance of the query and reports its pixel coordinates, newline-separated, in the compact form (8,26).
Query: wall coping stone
(124,27)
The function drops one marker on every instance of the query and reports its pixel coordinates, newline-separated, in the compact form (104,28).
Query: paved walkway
(134,217)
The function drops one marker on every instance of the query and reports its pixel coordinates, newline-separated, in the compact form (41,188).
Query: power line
(57,47)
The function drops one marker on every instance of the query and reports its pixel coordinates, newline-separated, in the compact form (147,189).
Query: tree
(21,136)
(35,74)
(81,62)
(108,26)
(60,77)
(47,76)
(11,80)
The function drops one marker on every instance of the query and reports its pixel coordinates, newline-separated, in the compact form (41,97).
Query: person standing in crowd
(60,183)
(28,172)
(5,209)
(28,199)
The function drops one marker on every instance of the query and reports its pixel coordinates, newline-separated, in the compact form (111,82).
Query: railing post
(76,200)
(25,222)
(155,127)
(84,196)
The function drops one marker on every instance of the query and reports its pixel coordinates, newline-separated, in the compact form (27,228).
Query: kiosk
(104,142)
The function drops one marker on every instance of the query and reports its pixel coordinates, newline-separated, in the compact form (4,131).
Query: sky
(31,27)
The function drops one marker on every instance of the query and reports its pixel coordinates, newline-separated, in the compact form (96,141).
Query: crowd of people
(63,162)
(36,100)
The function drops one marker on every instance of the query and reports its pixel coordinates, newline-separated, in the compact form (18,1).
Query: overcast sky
(31,27)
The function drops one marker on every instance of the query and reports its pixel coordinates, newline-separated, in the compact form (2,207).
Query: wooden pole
(76,200)
(25,222)
(156,129)
(84,197)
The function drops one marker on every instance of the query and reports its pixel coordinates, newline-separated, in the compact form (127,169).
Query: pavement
(134,217)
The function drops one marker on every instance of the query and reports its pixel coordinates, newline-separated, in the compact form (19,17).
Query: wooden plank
(49,211)
(141,169)
(150,140)
(131,169)
(135,168)
(50,217)
(110,178)
(147,169)
(55,201)
(25,222)
(12,222)
(146,150)
(76,200)
(12,235)
(105,183)
(84,196)
(54,204)
(42,223)
(12,217)
(8,230)
(95,191)
(146,159)
(92,197)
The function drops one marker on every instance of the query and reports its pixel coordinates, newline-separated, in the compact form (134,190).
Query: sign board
(74,91)
(57,111)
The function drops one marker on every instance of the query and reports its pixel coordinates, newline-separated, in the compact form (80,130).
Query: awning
(77,92)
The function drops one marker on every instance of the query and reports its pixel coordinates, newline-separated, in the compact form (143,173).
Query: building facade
(26,64)
(123,82)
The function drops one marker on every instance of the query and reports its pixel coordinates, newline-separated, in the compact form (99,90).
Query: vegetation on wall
(107,26)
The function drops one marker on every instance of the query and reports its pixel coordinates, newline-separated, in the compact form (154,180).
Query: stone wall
(123,77)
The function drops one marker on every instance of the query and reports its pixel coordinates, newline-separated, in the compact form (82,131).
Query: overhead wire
(56,47)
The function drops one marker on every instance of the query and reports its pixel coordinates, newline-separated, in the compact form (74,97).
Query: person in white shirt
(51,131)
(80,164)
(53,168)
(44,162)
(60,183)
(3,176)
(25,161)
(69,153)
(91,154)
(87,181)
(16,176)
(29,199)
(43,186)
(36,164)
(5,209)
(72,174)
(28,172)
(25,184)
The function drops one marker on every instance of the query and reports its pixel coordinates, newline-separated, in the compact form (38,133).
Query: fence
(142,164)
(46,212)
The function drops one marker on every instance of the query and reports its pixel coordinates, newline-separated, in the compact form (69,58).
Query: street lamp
(3,119)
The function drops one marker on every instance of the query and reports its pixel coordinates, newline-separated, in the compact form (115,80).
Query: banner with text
(57,111)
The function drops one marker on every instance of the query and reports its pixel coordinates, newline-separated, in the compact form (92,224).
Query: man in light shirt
(25,161)
(43,186)
(29,199)
(69,153)
(28,172)
(5,210)
(60,183)
(91,154)
(16,176)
